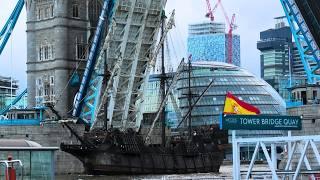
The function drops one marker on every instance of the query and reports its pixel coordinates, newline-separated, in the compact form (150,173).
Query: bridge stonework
(58,32)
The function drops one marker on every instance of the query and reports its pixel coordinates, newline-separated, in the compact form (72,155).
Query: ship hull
(129,154)
(112,163)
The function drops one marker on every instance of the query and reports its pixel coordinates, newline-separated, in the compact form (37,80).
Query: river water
(225,174)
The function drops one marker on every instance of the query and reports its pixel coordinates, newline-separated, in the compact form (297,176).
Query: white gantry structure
(128,52)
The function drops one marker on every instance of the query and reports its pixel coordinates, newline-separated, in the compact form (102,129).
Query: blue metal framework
(308,49)
(88,95)
(6,31)
(17,99)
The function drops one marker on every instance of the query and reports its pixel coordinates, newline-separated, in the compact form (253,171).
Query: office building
(8,91)
(275,45)
(280,61)
(208,41)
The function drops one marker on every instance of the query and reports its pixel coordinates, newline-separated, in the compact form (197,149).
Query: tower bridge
(59,34)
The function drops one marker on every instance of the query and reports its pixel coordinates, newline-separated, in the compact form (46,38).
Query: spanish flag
(233,105)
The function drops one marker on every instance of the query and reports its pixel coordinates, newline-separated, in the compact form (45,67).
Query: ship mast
(189,97)
(163,84)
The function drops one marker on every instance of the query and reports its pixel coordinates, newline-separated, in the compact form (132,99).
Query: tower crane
(231,24)
(210,11)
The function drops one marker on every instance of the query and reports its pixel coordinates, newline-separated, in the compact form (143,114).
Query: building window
(315,94)
(51,7)
(39,82)
(94,10)
(51,91)
(39,14)
(81,51)
(44,11)
(47,13)
(75,11)
(45,52)
(51,80)
(46,90)
(39,87)
(40,54)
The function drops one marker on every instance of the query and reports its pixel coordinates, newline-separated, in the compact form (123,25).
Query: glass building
(208,41)
(274,46)
(152,101)
(226,78)
(280,61)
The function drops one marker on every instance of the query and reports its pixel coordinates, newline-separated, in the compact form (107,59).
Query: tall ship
(111,97)
(126,151)
(123,50)
(120,138)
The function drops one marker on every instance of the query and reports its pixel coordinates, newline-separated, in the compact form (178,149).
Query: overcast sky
(252,16)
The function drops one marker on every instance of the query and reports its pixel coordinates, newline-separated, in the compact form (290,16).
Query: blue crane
(5,34)
(91,80)
(10,24)
(14,102)
(305,41)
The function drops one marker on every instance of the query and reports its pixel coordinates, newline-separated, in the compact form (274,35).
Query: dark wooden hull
(126,153)
(112,163)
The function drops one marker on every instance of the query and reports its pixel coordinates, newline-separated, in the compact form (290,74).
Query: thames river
(225,174)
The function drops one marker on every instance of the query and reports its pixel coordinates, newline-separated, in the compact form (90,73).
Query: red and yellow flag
(233,105)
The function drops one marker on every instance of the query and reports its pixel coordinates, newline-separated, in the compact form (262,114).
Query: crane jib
(14,102)
(7,29)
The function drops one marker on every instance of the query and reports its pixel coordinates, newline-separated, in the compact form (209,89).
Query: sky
(252,17)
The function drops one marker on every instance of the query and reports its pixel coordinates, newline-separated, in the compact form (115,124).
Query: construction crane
(210,11)
(7,29)
(231,24)
(13,103)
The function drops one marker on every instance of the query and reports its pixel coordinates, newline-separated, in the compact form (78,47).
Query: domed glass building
(226,78)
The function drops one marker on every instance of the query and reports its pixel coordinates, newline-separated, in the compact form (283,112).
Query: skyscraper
(275,45)
(208,41)
(281,64)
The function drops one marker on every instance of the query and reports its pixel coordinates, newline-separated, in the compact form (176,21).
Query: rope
(74,71)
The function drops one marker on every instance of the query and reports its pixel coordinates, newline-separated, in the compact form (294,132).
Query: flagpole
(225,98)
(234,155)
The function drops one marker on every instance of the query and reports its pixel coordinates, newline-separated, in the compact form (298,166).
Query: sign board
(260,122)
